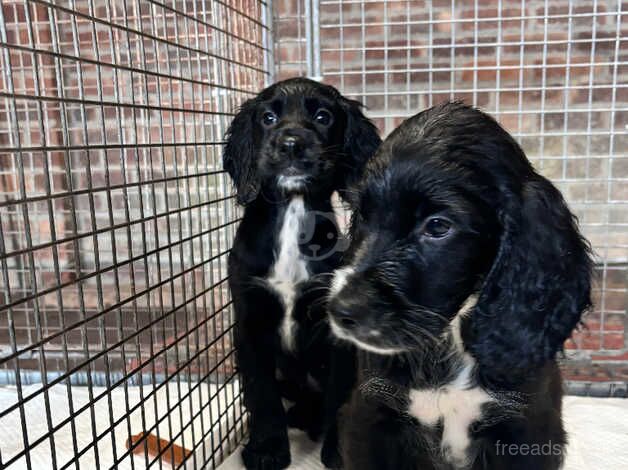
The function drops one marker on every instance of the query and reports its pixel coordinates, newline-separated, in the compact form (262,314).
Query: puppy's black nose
(289,144)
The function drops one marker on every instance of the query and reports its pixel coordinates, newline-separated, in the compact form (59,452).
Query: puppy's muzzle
(348,312)
(343,307)
(344,314)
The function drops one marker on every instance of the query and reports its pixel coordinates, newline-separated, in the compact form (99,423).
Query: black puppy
(288,150)
(465,276)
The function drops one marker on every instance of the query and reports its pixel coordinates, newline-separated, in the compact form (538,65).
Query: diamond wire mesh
(116,219)
(554,73)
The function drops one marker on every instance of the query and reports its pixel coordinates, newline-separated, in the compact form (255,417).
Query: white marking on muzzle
(291,183)
(340,280)
(341,333)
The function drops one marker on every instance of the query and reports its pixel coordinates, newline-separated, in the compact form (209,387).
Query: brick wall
(554,73)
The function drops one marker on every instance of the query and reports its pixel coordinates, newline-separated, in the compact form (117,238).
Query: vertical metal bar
(109,12)
(389,123)
(73,211)
(222,403)
(430,53)
(168,223)
(307,18)
(520,82)
(101,320)
(215,416)
(15,137)
(543,85)
(476,7)
(452,51)
(142,54)
(498,59)
(268,41)
(204,215)
(203,253)
(43,366)
(566,90)
(92,217)
(362,45)
(341,41)
(316,41)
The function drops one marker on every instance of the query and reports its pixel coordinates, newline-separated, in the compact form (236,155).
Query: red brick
(291,53)
(556,68)
(587,340)
(492,12)
(489,69)
(570,344)
(615,357)
(536,36)
(286,29)
(374,35)
(580,8)
(612,322)
(613,341)
(511,122)
(446,26)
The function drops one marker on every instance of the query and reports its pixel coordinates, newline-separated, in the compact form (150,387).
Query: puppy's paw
(330,456)
(272,453)
(302,417)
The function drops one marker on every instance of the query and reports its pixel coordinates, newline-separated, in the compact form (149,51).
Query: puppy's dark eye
(436,227)
(323,117)
(269,118)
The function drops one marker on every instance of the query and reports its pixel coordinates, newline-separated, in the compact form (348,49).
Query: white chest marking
(290,268)
(458,403)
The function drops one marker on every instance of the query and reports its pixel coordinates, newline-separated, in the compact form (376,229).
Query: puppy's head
(451,210)
(297,136)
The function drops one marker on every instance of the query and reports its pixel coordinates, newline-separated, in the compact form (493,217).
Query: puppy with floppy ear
(466,274)
(288,149)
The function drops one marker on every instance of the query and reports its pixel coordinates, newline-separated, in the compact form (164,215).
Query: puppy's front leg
(342,377)
(268,447)
(375,437)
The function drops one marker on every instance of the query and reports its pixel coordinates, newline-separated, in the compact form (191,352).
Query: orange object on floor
(167,451)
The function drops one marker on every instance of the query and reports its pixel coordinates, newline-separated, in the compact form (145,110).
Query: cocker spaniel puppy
(288,149)
(465,276)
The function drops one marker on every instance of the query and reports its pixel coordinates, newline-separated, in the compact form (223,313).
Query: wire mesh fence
(116,219)
(554,73)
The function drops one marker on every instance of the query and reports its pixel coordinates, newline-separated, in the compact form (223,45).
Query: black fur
(505,234)
(325,156)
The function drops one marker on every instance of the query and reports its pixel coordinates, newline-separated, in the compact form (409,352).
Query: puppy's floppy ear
(538,286)
(361,140)
(239,156)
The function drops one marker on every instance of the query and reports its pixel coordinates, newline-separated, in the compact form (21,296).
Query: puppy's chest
(456,406)
(290,268)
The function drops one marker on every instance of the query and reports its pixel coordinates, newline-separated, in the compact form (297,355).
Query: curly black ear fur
(360,143)
(239,155)
(538,286)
